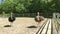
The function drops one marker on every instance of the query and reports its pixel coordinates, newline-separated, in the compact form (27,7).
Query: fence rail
(28,15)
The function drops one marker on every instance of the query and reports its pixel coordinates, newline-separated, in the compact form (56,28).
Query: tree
(15,6)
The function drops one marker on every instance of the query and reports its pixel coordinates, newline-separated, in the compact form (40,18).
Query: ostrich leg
(11,23)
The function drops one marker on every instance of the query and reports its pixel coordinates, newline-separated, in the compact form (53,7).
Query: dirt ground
(19,26)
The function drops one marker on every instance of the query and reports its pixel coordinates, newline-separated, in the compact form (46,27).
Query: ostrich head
(38,13)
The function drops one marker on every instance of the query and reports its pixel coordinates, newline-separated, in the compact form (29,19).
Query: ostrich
(11,19)
(38,18)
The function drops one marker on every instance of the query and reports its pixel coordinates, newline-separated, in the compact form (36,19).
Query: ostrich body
(11,19)
(38,18)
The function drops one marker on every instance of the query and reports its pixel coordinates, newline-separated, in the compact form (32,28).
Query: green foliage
(22,6)
(14,6)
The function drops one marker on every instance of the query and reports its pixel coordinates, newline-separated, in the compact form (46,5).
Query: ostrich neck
(11,15)
(38,13)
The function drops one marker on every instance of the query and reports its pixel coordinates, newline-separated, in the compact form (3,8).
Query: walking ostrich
(10,19)
(38,18)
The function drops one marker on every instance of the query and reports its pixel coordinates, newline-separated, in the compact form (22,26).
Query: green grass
(58,19)
(59,23)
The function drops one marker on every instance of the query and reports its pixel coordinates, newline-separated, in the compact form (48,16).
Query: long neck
(38,13)
(11,14)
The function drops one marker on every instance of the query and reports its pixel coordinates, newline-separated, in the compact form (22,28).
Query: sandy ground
(19,26)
